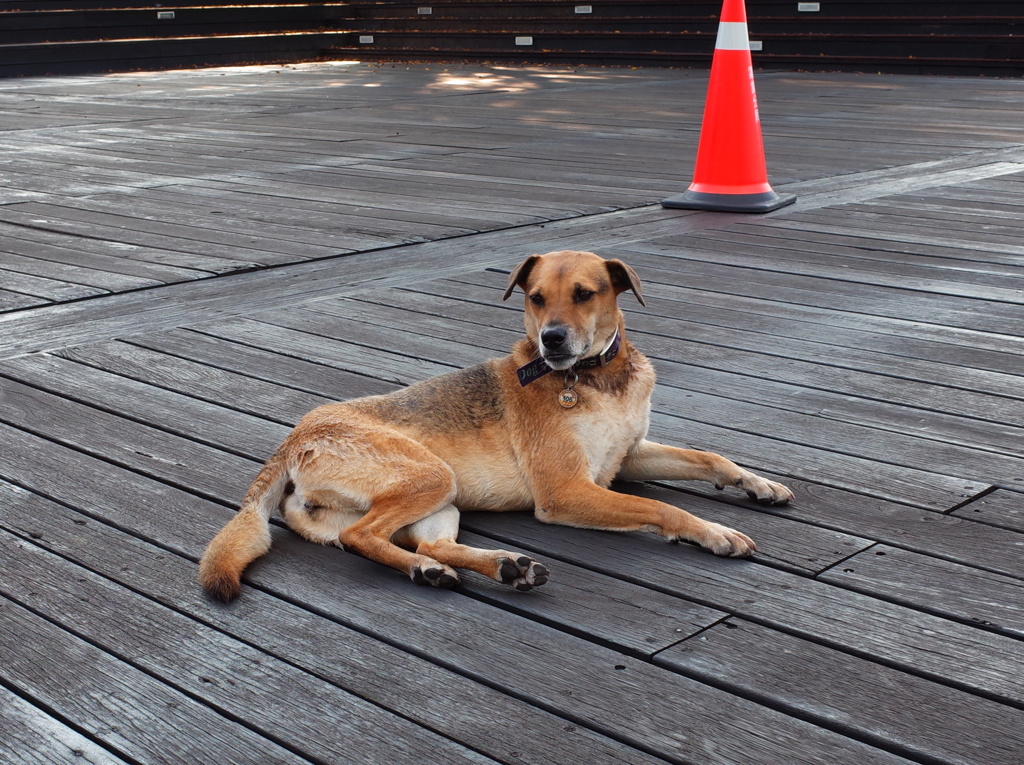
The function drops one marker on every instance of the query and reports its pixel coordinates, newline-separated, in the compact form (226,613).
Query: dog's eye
(537,299)
(582,296)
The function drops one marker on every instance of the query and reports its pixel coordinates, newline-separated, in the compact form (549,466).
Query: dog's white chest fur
(609,429)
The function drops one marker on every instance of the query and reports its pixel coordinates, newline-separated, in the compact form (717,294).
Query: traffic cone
(730,174)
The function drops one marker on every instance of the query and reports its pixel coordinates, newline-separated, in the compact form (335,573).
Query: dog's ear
(520,274)
(625,278)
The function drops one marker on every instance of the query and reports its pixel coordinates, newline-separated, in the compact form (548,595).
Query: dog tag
(568,398)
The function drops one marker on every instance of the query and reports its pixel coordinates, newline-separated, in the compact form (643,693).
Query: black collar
(538,367)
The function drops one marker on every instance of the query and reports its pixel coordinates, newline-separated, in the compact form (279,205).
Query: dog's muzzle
(556,347)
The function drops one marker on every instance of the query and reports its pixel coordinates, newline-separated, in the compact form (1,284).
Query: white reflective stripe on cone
(732,35)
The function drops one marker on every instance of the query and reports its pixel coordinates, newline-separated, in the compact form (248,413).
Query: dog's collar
(538,367)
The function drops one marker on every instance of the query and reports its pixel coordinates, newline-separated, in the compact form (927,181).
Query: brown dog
(546,428)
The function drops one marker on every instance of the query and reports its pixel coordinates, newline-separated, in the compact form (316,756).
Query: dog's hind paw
(522,572)
(435,575)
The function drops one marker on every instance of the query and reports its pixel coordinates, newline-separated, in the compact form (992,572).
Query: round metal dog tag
(568,398)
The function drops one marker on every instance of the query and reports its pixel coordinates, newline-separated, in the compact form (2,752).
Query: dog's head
(571,308)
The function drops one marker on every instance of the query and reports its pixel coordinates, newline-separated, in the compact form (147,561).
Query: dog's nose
(553,337)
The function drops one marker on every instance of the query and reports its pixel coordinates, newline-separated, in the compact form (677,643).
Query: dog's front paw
(522,572)
(764,491)
(721,540)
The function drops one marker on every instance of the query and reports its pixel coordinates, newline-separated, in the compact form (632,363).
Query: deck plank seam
(774,624)
(279,656)
(55,714)
(793,710)
(180,688)
(880,189)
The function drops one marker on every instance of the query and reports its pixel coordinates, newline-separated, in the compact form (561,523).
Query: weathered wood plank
(45,288)
(869,701)
(1001,508)
(35,181)
(950,537)
(180,252)
(979,197)
(104,263)
(413,687)
(146,508)
(621,615)
(256,206)
(556,193)
(565,172)
(263,365)
(899,233)
(896,275)
(248,138)
(331,323)
(241,212)
(14,301)
(271,696)
(854,184)
(135,715)
(837,436)
(481,213)
(998,237)
(289,194)
(233,250)
(240,433)
(363,359)
(298,239)
(201,381)
(32,737)
(190,465)
(816,291)
(927,645)
(801,246)
(947,211)
(99,281)
(948,589)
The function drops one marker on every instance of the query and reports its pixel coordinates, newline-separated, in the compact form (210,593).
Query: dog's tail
(247,535)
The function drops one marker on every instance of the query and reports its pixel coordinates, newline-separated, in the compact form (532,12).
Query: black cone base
(763,202)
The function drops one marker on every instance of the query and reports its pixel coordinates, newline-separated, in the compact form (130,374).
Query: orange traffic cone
(730,174)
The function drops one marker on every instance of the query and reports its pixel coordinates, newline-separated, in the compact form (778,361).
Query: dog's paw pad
(508,571)
(435,575)
(523,573)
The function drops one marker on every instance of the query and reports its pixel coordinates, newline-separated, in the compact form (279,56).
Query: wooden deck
(191,260)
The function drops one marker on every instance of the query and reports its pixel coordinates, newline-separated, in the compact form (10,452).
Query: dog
(547,429)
